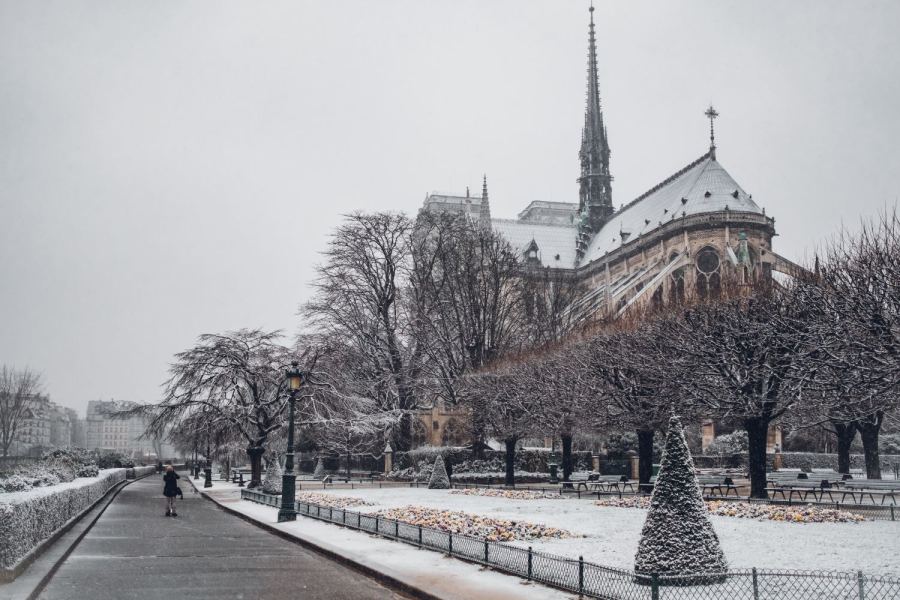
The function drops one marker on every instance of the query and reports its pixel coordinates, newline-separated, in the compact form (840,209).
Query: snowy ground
(611,534)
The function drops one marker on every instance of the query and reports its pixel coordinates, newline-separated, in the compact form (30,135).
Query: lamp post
(194,466)
(288,510)
(207,471)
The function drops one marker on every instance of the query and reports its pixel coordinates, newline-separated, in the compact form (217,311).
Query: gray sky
(173,168)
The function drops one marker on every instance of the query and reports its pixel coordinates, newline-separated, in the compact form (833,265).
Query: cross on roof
(711,114)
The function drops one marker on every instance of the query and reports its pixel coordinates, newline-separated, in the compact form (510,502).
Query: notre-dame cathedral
(682,236)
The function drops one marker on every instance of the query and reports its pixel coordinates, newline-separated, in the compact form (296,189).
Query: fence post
(359,520)
(529,564)
(330,514)
(862,585)
(344,517)
(654,586)
(397,529)
(450,551)
(485,552)
(755,585)
(377,523)
(580,574)
(892,512)
(420,536)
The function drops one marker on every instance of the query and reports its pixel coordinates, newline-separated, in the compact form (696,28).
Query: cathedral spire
(484,213)
(595,189)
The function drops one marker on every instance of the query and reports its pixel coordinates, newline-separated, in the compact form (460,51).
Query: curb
(388,580)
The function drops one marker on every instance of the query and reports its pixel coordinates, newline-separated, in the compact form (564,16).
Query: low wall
(29,518)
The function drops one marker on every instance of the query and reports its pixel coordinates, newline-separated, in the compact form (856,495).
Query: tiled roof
(552,240)
(702,186)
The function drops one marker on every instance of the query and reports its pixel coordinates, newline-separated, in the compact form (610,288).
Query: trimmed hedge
(29,518)
(812,460)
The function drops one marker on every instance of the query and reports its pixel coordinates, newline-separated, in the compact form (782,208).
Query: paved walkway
(135,552)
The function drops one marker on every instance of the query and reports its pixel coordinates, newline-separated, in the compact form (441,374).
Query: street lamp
(207,471)
(288,510)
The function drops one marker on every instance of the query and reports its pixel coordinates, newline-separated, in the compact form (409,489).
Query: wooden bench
(862,488)
(609,483)
(577,481)
(237,476)
(715,484)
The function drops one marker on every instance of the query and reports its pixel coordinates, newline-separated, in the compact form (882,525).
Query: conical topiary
(272,482)
(439,479)
(678,537)
(319,471)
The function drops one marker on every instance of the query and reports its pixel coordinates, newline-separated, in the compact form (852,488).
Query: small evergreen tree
(439,479)
(319,472)
(678,537)
(272,482)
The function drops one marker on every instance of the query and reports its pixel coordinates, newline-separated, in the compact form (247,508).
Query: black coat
(171,488)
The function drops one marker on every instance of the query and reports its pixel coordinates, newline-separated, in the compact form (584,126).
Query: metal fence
(597,581)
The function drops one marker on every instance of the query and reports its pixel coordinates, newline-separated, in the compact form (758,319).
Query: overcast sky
(174,168)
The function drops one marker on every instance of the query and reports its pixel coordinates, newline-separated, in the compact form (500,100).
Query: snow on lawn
(611,534)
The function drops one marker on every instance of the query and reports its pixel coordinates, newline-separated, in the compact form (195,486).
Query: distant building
(104,432)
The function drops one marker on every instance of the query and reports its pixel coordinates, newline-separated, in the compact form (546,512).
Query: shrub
(272,481)
(731,443)
(439,479)
(319,472)
(678,537)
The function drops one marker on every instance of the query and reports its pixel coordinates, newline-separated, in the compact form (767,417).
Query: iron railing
(596,581)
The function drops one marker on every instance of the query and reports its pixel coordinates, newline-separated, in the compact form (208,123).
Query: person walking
(170,491)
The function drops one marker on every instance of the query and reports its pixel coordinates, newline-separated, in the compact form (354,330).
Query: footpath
(424,573)
(134,551)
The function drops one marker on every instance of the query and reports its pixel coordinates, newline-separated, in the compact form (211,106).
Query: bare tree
(507,405)
(745,355)
(860,338)
(236,377)
(18,388)
(361,299)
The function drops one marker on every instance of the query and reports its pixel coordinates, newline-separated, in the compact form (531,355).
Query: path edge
(390,581)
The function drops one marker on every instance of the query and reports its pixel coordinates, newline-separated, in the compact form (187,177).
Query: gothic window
(676,287)
(708,280)
(657,298)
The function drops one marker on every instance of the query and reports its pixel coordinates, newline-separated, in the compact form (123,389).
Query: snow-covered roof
(551,240)
(702,186)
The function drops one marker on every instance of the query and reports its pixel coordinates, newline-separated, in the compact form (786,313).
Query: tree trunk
(645,455)
(255,453)
(403,437)
(511,461)
(566,455)
(845,433)
(757,432)
(868,432)
(349,458)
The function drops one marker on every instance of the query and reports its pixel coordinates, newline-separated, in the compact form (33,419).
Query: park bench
(237,476)
(716,485)
(859,489)
(610,483)
(802,489)
(577,481)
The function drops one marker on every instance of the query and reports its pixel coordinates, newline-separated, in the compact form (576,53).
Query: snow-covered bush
(272,481)
(678,537)
(110,459)
(439,479)
(319,472)
(728,444)
(29,517)
(89,470)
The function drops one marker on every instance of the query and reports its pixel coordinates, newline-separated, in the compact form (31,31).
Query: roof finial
(711,114)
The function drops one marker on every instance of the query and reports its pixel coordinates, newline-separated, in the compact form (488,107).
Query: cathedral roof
(702,186)
(552,240)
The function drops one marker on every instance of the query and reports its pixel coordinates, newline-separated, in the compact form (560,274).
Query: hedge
(813,460)
(28,518)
